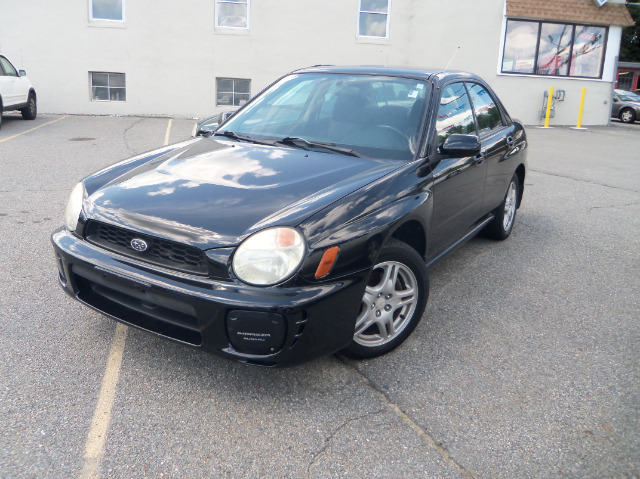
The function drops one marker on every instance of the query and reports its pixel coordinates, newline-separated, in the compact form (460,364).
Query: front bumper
(264,326)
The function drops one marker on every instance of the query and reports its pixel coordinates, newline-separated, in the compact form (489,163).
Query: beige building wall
(171,52)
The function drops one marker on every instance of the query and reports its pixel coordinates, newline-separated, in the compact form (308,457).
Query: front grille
(159,251)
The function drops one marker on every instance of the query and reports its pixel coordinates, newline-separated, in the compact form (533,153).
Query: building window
(232,14)
(232,91)
(373,18)
(108,86)
(625,80)
(560,49)
(110,10)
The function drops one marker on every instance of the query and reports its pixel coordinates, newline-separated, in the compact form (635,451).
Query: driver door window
(454,114)
(487,112)
(8,68)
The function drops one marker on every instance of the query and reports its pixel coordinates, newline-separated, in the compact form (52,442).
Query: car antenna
(452,57)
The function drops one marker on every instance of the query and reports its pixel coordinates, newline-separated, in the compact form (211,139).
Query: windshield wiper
(235,136)
(304,143)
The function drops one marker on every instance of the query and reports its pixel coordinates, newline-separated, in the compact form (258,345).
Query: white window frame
(217,16)
(388,14)
(106,20)
(108,87)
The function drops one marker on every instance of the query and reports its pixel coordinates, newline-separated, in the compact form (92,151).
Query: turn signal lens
(286,237)
(327,261)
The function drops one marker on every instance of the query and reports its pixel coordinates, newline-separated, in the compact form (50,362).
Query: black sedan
(305,225)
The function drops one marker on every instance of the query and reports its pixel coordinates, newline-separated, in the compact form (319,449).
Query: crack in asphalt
(584,181)
(422,433)
(614,206)
(328,439)
(124,135)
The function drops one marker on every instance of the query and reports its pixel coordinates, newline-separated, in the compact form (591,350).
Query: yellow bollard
(579,124)
(549,101)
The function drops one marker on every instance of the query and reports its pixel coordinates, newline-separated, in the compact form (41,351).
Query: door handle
(510,140)
(479,158)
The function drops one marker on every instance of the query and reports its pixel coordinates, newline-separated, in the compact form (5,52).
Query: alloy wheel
(510,204)
(388,304)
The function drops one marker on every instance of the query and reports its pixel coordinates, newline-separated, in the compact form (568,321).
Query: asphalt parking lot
(526,363)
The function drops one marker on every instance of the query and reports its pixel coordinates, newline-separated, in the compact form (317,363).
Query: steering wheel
(397,131)
(396,138)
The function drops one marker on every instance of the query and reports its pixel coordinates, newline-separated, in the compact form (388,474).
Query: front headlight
(269,256)
(74,206)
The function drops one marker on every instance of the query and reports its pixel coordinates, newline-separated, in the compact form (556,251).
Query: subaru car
(306,223)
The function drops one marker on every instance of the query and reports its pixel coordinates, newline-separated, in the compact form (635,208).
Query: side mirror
(458,146)
(225,116)
(615,100)
(22,73)
(209,125)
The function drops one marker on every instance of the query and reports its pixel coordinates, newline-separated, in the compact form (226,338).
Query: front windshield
(376,116)
(628,96)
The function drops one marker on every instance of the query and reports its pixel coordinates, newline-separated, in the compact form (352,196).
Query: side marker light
(327,261)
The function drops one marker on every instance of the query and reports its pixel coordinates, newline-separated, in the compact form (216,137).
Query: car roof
(624,92)
(428,74)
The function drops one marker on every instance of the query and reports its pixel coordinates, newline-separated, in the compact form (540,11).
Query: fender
(378,215)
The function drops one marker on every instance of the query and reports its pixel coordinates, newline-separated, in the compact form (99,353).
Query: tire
(31,110)
(505,215)
(387,318)
(627,115)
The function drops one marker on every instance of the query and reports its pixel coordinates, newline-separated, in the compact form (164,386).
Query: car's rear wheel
(393,302)
(31,110)
(505,216)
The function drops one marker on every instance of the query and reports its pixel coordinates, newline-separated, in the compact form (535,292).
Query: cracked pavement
(525,364)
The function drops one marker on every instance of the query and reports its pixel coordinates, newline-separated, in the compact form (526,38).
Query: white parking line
(94,449)
(39,126)
(166,136)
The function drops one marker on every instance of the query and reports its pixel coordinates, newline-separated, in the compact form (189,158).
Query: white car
(16,91)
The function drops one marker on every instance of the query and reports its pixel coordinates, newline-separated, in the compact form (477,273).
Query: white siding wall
(171,52)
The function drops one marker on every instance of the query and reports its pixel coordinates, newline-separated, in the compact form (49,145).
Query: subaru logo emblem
(139,244)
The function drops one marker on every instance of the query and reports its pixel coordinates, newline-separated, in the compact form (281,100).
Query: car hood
(629,103)
(213,193)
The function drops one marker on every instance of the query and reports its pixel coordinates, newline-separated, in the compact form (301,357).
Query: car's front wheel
(393,302)
(31,110)
(627,115)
